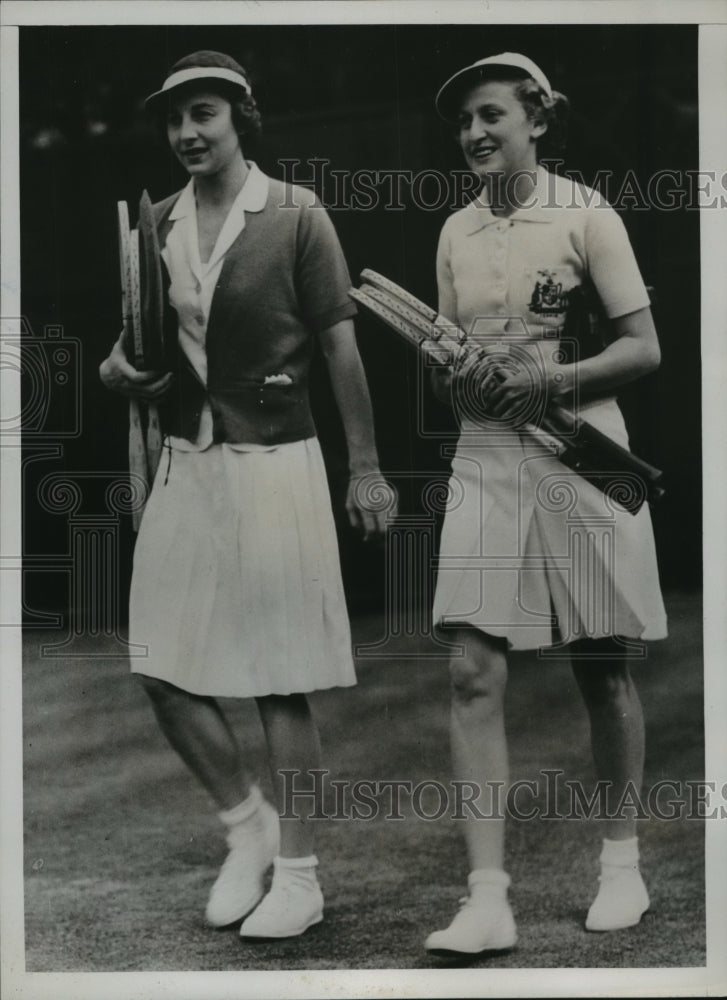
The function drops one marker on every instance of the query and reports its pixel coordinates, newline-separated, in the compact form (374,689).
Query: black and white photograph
(363,592)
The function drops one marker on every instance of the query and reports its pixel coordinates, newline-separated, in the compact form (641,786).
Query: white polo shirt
(510,276)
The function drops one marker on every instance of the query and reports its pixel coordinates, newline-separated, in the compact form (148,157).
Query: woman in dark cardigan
(236,588)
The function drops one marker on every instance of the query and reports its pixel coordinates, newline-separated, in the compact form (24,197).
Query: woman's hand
(511,390)
(506,386)
(370,501)
(500,385)
(119,376)
(371,504)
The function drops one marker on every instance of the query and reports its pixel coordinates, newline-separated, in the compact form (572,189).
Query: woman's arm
(370,501)
(118,375)
(442,377)
(634,352)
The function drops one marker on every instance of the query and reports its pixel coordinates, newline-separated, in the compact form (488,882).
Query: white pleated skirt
(535,554)
(236,588)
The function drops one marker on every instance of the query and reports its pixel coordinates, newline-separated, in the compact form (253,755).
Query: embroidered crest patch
(548,297)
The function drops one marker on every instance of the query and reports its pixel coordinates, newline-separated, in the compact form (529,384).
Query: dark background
(361,97)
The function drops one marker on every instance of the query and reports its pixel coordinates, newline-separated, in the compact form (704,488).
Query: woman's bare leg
(295,901)
(293,745)
(479,756)
(201,735)
(479,746)
(617,741)
(617,725)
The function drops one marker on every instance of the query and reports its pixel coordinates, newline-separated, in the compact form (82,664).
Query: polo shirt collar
(535,209)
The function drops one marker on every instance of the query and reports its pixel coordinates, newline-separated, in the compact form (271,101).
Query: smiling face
(494,131)
(201,133)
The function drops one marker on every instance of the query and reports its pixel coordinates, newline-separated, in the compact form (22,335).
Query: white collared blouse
(193,283)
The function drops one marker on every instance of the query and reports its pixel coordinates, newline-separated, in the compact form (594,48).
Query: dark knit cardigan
(284,279)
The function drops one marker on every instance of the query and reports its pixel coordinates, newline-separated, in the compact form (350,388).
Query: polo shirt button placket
(500,255)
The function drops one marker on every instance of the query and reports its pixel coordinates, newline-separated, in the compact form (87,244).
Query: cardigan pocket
(267,414)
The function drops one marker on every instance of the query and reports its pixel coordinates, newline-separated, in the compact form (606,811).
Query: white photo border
(711,980)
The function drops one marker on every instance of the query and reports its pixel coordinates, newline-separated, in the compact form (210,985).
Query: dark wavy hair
(245,114)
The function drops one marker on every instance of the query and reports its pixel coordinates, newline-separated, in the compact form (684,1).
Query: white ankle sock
(300,871)
(620,853)
(488,881)
(243,810)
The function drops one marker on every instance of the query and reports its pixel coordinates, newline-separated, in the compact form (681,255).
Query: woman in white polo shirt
(533,556)
(236,589)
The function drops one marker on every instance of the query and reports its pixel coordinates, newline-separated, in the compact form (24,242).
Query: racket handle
(137,457)
(153,441)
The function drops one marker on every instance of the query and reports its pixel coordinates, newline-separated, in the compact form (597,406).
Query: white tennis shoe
(485,921)
(253,844)
(476,928)
(293,904)
(621,902)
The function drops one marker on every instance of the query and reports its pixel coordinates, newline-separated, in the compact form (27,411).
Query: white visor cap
(443,100)
(198,73)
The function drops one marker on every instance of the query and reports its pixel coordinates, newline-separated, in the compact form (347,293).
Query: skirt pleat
(535,554)
(236,589)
